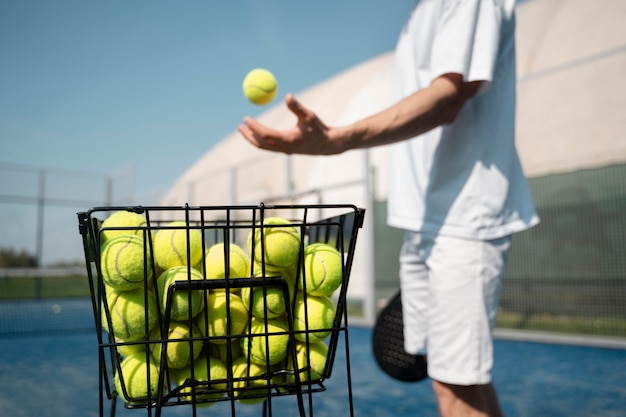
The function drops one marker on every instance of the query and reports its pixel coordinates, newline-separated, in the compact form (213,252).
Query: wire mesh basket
(195,306)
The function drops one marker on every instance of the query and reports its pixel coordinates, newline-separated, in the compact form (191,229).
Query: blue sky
(107,86)
(103,85)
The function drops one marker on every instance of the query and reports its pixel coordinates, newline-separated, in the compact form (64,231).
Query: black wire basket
(195,306)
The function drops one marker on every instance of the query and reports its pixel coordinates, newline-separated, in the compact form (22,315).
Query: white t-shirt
(463,179)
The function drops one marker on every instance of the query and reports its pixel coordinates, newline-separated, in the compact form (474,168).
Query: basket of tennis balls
(194,309)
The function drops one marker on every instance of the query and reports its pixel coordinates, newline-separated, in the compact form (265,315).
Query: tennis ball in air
(310,363)
(218,256)
(264,334)
(323,269)
(276,243)
(173,248)
(259,86)
(130,315)
(249,380)
(123,223)
(264,301)
(313,318)
(180,308)
(124,263)
(209,379)
(133,384)
(216,323)
(178,352)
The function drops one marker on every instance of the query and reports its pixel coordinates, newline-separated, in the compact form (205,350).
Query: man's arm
(436,105)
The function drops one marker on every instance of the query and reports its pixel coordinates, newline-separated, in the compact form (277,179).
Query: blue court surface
(48,367)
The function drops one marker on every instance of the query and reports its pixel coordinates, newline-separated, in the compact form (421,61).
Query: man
(456,184)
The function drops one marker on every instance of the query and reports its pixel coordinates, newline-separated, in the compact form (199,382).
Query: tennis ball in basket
(171,245)
(249,379)
(126,350)
(133,385)
(310,363)
(180,308)
(123,262)
(314,318)
(288,274)
(129,311)
(264,301)
(264,334)
(323,269)
(123,219)
(178,352)
(259,86)
(215,323)
(206,368)
(217,257)
(278,247)
(221,350)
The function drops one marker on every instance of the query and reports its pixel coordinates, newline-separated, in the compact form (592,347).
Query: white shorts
(450,294)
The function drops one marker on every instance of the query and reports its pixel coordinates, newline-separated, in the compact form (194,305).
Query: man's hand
(309,136)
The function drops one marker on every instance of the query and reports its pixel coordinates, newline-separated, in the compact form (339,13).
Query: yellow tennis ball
(276,243)
(323,269)
(173,248)
(137,380)
(313,318)
(250,381)
(125,263)
(180,308)
(122,223)
(264,301)
(288,274)
(217,257)
(259,86)
(310,363)
(131,318)
(209,380)
(126,349)
(178,352)
(264,334)
(226,352)
(216,324)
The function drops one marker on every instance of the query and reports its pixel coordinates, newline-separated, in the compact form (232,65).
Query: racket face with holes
(388,345)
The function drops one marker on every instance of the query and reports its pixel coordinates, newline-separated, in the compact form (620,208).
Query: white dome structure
(571,106)
(571,60)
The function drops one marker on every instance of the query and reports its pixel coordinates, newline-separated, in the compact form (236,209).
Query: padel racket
(388,345)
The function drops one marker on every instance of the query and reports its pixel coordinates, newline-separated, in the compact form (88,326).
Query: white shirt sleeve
(466,39)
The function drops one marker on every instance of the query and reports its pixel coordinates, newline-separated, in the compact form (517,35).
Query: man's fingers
(259,135)
(296,108)
(286,141)
(255,128)
(248,134)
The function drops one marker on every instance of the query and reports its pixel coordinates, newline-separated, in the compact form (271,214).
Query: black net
(568,274)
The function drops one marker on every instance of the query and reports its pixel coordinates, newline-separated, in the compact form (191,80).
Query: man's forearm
(418,113)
